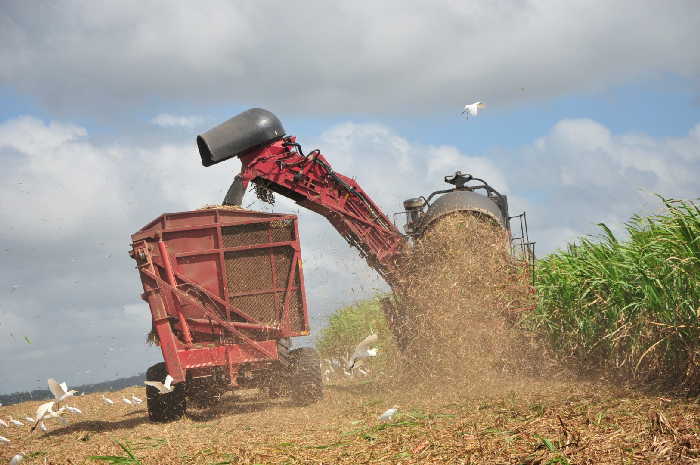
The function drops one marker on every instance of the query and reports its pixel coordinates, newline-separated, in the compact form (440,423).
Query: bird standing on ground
(136,399)
(73,409)
(4,439)
(107,400)
(386,416)
(362,351)
(163,388)
(126,401)
(473,109)
(16,422)
(17,459)
(2,423)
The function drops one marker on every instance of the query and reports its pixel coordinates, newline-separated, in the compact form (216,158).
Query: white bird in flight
(60,391)
(362,351)
(107,400)
(386,416)
(45,411)
(473,109)
(163,388)
(4,439)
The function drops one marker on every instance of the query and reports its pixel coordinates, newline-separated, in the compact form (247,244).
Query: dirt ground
(525,421)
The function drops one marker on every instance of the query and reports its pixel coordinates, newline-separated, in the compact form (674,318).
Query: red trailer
(226,292)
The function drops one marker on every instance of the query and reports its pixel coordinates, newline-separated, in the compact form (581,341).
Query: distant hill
(43,394)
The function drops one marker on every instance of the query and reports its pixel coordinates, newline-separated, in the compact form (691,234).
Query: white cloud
(166,120)
(582,174)
(359,56)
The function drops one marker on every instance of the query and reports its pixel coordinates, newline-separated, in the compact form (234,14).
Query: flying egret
(126,401)
(386,416)
(45,411)
(473,109)
(107,400)
(362,351)
(60,391)
(136,399)
(163,388)
(2,423)
(16,422)
(4,439)
(17,459)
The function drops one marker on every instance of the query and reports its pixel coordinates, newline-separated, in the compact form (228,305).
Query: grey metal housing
(242,132)
(462,201)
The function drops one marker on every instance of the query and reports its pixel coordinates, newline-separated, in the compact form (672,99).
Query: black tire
(306,384)
(164,407)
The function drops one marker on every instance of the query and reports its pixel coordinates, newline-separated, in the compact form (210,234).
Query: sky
(592,108)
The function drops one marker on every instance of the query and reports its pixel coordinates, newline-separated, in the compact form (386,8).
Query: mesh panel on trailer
(261,306)
(282,230)
(245,234)
(262,270)
(248,270)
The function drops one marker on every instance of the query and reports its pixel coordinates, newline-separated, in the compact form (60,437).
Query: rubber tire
(306,383)
(164,407)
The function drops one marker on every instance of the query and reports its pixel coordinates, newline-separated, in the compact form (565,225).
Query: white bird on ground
(126,401)
(16,422)
(73,409)
(4,439)
(473,109)
(2,423)
(60,391)
(43,427)
(386,416)
(163,388)
(107,400)
(136,399)
(362,351)
(29,419)
(17,459)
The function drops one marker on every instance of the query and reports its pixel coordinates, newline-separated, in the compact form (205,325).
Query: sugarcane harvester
(225,285)
(275,162)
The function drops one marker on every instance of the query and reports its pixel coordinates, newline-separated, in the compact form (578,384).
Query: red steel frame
(165,246)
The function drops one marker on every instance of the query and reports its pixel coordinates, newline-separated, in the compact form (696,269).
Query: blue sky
(589,111)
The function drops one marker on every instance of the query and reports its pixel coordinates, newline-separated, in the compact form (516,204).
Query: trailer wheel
(164,407)
(306,385)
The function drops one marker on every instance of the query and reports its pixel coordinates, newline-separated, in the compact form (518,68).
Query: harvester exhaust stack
(243,132)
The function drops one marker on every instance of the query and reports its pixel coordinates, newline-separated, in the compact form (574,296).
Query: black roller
(231,138)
